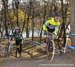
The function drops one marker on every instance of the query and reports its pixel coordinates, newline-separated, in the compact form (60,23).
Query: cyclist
(18,39)
(51,26)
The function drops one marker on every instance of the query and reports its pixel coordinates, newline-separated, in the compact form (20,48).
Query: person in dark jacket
(18,40)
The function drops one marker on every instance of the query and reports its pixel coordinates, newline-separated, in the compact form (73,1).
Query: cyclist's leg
(20,50)
(68,43)
(16,49)
(16,52)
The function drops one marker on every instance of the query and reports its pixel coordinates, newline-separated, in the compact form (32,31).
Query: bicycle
(50,50)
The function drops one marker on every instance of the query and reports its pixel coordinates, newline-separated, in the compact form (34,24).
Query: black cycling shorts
(50,30)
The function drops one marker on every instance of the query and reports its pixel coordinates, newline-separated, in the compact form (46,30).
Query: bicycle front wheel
(50,50)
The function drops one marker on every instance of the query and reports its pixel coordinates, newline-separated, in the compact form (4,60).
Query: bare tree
(27,22)
(44,17)
(5,8)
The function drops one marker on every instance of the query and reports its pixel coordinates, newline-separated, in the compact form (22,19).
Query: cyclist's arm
(21,36)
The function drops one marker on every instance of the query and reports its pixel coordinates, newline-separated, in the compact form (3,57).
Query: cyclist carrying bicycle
(18,40)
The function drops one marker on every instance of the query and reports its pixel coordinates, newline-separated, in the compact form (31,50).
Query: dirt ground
(63,60)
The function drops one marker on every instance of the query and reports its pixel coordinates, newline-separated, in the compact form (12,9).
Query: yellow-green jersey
(50,22)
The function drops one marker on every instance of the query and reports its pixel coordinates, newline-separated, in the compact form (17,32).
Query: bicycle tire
(50,50)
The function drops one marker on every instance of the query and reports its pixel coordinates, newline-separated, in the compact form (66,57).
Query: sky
(21,1)
(27,0)
(10,1)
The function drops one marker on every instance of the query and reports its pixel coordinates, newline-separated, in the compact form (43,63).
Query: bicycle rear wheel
(50,50)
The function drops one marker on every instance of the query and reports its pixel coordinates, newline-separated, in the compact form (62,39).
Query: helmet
(16,28)
(56,14)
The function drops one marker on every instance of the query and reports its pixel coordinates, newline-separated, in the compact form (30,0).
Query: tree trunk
(17,3)
(72,7)
(5,16)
